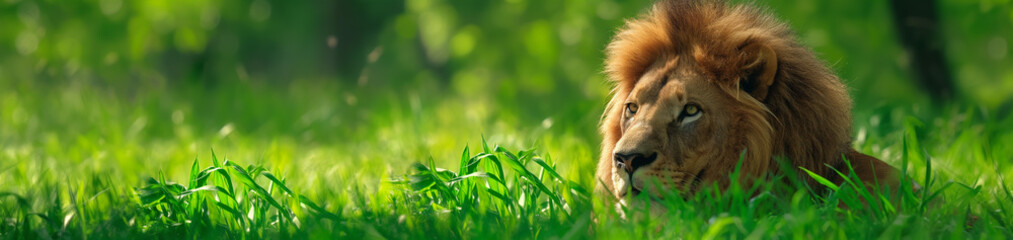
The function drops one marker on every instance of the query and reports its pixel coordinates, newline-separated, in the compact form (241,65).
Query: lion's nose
(631,161)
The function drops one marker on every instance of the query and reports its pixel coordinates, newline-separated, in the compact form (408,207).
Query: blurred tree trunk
(357,25)
(917,23)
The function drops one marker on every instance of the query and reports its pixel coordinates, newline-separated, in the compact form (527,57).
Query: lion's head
(699,85)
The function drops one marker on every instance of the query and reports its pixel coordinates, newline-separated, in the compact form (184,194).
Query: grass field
(83,163)
(459,125)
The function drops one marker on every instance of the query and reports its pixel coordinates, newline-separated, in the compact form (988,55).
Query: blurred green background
(347,92)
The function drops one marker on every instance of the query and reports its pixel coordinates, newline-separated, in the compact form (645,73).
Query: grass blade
(279,183)
(193,174)
(820,179)
(319,210)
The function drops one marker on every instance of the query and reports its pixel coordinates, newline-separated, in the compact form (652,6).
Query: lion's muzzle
(626,164)
(630,162)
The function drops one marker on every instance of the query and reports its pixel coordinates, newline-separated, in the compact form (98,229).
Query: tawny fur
(806,109)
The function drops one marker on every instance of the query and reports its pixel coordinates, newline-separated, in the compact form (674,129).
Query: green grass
(130,172)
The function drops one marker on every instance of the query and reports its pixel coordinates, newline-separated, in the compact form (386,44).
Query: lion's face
(679,131)
(702,86)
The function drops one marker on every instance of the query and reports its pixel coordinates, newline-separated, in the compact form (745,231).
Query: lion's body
(761,92)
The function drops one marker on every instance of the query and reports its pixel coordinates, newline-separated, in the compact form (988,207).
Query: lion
(700,86)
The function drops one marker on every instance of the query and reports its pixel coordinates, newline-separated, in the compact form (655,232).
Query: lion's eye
(690,113)
(690,110)
(631,108)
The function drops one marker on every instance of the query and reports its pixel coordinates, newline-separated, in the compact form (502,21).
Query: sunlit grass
(498,192)
(386,167)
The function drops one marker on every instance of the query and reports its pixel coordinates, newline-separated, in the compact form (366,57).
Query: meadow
(449,119)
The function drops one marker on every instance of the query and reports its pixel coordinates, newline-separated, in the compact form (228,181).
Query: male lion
(700,85)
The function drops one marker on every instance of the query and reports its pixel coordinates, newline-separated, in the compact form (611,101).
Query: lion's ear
(759,73)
